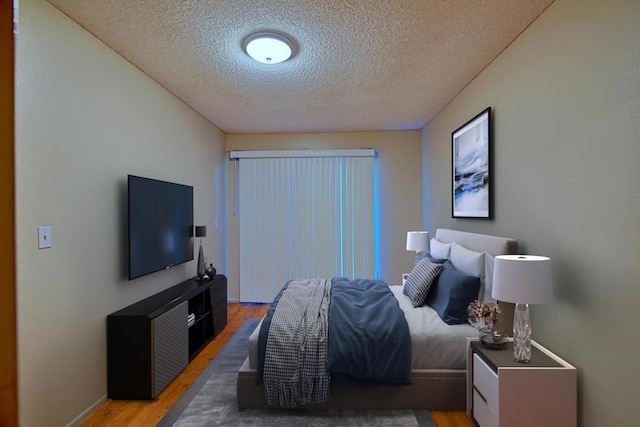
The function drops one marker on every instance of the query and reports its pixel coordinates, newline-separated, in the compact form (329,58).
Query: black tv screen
(160,225)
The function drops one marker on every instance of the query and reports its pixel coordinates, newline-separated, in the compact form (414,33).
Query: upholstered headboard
(493,245)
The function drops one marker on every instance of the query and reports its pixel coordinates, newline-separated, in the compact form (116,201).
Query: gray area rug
(211,400)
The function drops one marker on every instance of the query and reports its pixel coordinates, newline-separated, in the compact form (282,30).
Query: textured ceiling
(360,64)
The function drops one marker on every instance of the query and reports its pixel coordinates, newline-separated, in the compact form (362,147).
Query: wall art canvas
(471,145)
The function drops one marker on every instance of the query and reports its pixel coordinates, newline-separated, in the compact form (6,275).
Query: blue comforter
(369,339)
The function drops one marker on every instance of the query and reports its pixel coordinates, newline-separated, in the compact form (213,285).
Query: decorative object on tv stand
(211,271)
(417,241)
(523,280)
(201,231)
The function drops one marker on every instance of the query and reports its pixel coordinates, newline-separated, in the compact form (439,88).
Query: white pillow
(439,249)
(467,261)
(486,285)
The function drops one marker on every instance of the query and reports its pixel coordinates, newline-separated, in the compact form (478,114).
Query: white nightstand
(503,392)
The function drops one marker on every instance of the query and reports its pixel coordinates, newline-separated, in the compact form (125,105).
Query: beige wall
(399,192)
(566,98)
(85,118)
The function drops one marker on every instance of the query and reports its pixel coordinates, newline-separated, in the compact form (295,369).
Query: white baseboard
(84,415)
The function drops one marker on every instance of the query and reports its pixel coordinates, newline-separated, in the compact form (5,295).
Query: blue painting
(471,179)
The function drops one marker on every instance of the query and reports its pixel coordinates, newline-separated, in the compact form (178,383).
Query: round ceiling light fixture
(268,47)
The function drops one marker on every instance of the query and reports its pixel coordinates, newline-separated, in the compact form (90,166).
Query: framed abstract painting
(471,177)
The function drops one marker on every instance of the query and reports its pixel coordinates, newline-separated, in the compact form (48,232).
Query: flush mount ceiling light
(268,48)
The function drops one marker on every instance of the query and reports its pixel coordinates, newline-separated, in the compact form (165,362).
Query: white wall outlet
(44,237)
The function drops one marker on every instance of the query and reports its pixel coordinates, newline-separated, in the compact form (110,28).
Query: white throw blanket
(295,366)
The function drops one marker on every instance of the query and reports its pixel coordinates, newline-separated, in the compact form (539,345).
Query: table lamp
(201,231)
(417,241)
(523,280)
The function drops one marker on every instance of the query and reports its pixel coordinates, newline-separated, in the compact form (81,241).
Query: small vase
(492,337)
(211,271)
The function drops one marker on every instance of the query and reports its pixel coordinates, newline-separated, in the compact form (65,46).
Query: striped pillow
(419,281)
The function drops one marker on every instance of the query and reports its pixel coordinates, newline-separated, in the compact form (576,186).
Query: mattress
(434,344)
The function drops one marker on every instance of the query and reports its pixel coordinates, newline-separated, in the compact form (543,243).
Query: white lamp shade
(417,241)
(524,279)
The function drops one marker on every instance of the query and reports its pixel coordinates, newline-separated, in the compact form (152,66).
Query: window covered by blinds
(303,217)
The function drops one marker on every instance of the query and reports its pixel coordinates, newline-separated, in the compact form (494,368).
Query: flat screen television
(160,225)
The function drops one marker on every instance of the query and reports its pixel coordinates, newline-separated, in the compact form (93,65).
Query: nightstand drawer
(485,381)
(482,413)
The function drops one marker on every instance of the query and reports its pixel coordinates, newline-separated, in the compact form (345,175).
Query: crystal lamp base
(522,334)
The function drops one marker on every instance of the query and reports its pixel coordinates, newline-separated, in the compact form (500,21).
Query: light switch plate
(44,237)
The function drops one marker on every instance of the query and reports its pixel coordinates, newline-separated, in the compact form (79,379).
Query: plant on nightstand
(484,316)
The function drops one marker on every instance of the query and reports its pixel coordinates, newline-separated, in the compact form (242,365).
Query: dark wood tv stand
(150,342)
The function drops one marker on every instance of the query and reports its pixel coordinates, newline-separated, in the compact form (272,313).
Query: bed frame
(435,389)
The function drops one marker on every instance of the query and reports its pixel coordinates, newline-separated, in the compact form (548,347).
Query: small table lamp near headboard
(417,241)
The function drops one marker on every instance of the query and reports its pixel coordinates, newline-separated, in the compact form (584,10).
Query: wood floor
(149,413)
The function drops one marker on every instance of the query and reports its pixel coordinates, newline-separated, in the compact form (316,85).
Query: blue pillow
(451,293)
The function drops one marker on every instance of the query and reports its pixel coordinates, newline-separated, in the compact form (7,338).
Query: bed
(438,350)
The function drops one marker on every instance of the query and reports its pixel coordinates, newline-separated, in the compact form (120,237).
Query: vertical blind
(303,217)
